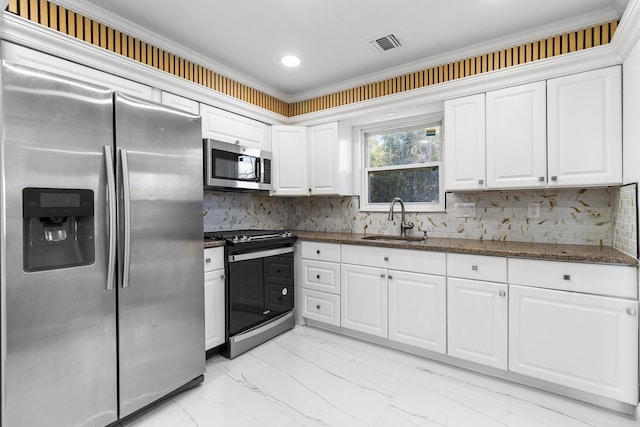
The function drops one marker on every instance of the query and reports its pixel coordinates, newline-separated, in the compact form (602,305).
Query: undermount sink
(396,238)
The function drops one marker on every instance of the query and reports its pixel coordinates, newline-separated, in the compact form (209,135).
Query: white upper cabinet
(516,137)
(321,167)
(585,128)
(180,103)
(323,159)
(289,164)
(464,148)
(228,127)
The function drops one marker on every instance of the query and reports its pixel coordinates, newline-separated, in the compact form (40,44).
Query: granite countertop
(551,251)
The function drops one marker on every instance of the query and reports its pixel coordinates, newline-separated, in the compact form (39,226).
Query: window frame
(398,125)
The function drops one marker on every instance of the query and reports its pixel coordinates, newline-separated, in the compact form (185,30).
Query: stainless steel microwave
(232,166)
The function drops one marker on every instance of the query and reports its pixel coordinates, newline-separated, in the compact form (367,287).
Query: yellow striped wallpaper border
(66,21)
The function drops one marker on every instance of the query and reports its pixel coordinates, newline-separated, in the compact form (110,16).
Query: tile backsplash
(595,216)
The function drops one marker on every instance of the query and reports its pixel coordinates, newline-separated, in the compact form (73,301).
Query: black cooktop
(253,238)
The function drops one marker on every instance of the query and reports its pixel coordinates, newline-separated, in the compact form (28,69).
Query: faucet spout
(404,226)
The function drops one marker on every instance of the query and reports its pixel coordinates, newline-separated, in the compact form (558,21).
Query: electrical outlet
(465,210)
(534,210)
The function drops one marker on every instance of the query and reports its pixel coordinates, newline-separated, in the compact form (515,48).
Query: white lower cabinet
(214,304)
(321,307)
(586,342)
(364,299)
(320,282)
(418,310)
(477,321)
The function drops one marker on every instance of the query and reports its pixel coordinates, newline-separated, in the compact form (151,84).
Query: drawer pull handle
(317,276)
(382,276)
(502,293)
(318,251)
(386,258)
(318,307)
(390,277)
(474,267)
(566,277)
(208,260)
(632,311)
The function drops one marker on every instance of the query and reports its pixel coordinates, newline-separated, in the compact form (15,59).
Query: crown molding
(121,24)
(628,31)
(575,62)
(29,34)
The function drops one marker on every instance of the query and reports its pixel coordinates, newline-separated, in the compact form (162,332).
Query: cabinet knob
(382,276)
(309,190)
(554,178)
(390,277)
(566,277)
(632,311)
(386,258)
(318,307)
(317,276)
(502,293)
(474,267)
(318,252)
(541,178)
(207,260)
(222,277)
(481,181)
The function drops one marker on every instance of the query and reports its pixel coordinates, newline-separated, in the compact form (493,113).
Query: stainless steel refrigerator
(101,262)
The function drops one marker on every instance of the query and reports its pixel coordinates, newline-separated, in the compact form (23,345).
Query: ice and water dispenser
(58,228)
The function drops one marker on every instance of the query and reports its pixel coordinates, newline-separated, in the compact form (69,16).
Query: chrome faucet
(404,226)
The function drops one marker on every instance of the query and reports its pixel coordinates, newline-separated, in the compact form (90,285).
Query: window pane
(405,147)
(411,185)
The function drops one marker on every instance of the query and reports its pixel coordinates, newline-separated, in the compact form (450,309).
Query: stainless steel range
(259,286)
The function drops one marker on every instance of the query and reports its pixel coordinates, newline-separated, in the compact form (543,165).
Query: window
(405,162)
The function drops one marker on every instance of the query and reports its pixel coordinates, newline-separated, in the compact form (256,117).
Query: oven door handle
(260,254)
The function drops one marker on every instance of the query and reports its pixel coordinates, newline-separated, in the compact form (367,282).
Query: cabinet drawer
(321,276)
(477,267)
(213,258)
(395,259)
(321,307)
(599,279)
(321,251)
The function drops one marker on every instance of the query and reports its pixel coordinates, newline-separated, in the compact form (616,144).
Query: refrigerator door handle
(111,202)
(126,216)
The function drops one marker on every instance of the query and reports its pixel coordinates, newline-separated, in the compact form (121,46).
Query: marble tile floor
(309,377)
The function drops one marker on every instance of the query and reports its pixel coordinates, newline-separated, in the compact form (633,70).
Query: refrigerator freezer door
(59,326)
(161,309)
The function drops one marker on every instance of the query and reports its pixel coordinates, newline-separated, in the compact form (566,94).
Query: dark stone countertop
(549,251)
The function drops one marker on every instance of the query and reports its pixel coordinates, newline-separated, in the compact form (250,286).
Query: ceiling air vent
(385,43)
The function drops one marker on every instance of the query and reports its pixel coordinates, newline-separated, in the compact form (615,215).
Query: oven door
(260,287)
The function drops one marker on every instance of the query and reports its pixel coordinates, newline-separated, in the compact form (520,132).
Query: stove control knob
(287,234)
(235,239)
(244,239)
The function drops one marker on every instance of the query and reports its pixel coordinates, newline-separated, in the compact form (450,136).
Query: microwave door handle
(258,169)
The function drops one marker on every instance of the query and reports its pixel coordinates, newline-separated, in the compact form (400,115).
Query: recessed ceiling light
(290,61)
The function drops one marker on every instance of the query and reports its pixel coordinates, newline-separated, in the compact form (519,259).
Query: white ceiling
(245,39)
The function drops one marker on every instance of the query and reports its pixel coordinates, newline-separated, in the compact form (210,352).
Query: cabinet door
(323,159)
(517,137)
(477,314)
(418,310)
(289,165)
(213,309)
(464,150)
(585,128)
(180,103)
(233,128)
(581,341)
(363,299)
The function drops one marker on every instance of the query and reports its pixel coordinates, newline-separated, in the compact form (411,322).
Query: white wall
(631,116)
